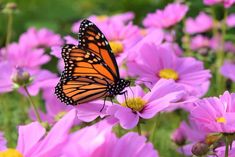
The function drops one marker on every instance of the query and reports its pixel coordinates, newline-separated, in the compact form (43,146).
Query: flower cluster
(171,72)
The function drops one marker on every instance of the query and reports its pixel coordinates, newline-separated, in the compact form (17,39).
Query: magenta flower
(34,141)
(40,38)
(228,70)
(200,24)
(99,141)
(221,151)
(140,105)
(153,62)
(167,17)
(186,136)
(200,42)
(215,115)
(226,3)
(230,21)
(122,18)
(3,142)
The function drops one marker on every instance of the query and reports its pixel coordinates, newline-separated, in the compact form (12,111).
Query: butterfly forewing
(93,40)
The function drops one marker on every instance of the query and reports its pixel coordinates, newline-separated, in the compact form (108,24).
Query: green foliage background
(59,15)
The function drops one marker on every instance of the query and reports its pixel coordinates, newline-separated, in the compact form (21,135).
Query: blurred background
(59,15)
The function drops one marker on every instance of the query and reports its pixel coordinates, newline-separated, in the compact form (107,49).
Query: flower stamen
(116,46)
(10,153)
(220,120)
(136,104)
(168,74)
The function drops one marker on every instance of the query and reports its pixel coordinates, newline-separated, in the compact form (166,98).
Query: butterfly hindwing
(93,40)
(77,90)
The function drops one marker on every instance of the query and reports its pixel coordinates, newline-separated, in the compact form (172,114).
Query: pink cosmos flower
(200,24)
(153,62)
(40,38)
(3,142)
(34,141)
(200,42)
(215,115)
(122,18)
(221,151)
(226,3)
(228,70)
(140,105)
(230,21)
(167,17)
(99,141)
(188,134)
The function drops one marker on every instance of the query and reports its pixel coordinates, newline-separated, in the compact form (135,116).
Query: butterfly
(91,70)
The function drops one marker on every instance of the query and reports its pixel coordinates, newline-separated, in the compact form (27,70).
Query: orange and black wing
(85,77)
(94,41)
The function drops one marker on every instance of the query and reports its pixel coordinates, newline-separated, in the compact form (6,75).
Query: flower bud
(10,8)
(178,137)
(21,77)
(200,149)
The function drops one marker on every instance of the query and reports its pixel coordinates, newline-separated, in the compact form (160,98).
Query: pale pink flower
(200,24)
(228,70)
(230,21)
(172,14)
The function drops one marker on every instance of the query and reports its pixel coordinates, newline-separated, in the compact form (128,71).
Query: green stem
(139,128)
(33,105)
(155,125)
(9,28)
(227,146)
(220,56)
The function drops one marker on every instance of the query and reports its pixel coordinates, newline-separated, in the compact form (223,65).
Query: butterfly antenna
(142,81)
(132,92)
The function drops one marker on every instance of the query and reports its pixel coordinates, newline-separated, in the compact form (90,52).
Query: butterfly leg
(103,104)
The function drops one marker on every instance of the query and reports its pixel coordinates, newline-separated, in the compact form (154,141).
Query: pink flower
(215,115)
(200,42)
(221,151)
(200,24)
(228,70)
(122,18)
(167,17)
(153,62)
(231,20)
(99,141)
(34,141)
(140,105)
(3,142)
(226,3)
(40,38)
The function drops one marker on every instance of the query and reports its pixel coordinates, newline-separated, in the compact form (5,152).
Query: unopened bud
(10,7)
(178,137)
(200,149)
(21,77)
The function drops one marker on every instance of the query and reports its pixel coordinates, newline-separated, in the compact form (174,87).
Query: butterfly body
(91,71)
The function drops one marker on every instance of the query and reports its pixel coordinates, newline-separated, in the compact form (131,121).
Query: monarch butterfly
(91,71)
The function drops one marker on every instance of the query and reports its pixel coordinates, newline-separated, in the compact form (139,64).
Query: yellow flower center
(10,153)
(220,120)
(143,32)
(102,18)
(136,104)
(116,46)
(168,74)
(59,115)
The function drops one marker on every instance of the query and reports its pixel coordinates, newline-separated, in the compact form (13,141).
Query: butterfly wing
(86,77)
(93,40)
